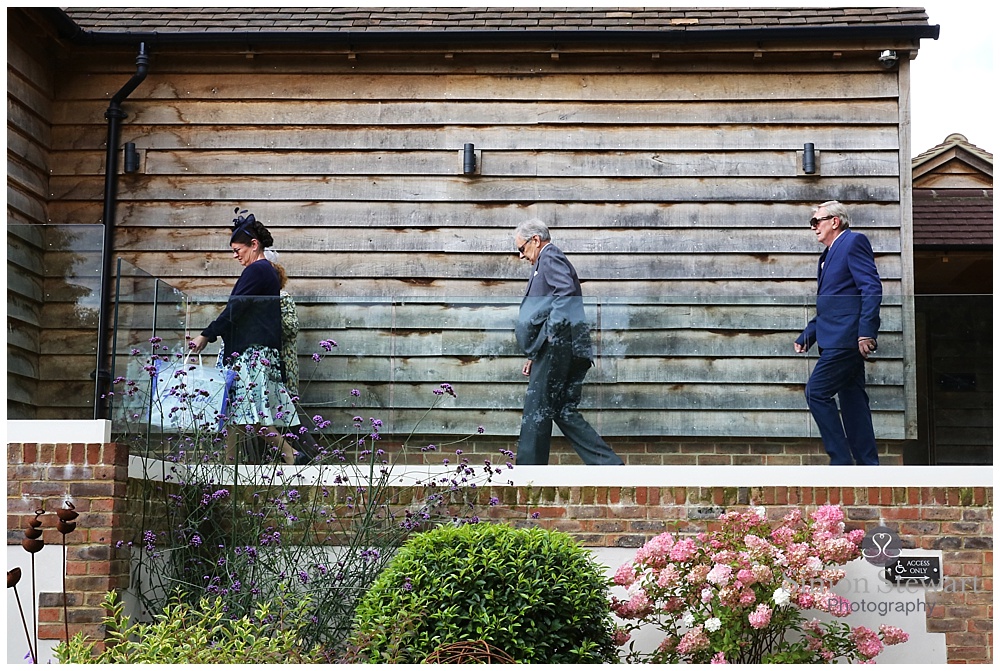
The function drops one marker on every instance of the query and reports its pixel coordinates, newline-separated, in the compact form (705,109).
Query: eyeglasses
(814,222)
(520,250)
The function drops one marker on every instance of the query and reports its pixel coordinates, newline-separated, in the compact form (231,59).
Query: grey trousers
(555,386)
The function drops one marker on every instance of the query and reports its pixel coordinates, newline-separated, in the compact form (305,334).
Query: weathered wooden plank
(723,314)
(196,111)
(28,150)
(650,369)
(474,346)
(22,334)
(23,363)
(625,423)
(27,121)
(611,87)
(614,241)
(20,396)
(27,94)
(29,67)
(254,134)
(22,208)
(532,58)
(765,266)
(69,315)
(485,189)
(651,396)
(521,58)
(498,163)
(27,178)
(561,217)
(219,287)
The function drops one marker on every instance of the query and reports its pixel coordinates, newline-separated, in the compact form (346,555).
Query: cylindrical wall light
(809,158)
(131,158)
(469,159)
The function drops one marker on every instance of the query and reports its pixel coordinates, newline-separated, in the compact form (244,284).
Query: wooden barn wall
(29,105)
(671,182)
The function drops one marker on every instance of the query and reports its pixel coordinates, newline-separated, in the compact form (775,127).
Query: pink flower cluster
(866,641)
(750,574)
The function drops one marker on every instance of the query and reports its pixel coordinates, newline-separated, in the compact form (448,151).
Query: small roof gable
(953,195)
(106,22)
(955,163)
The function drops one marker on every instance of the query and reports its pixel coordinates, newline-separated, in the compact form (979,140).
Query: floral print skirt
(257,395)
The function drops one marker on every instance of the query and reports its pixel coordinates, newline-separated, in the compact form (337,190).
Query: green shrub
(534,594)
(182,634)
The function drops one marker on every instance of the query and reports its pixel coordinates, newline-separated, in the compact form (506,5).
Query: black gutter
(114,114)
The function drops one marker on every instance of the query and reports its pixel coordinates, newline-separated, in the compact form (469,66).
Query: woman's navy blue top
(253,313)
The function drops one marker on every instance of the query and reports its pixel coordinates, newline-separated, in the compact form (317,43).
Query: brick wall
(93,477)
(957,521)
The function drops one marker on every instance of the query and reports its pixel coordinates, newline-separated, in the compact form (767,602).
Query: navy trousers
(847,432)
(555,387)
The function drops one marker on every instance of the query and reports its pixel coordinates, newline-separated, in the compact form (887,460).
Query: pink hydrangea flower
(782,536)
(866,641)
(621,637)
(625,575)
(761,617)
(683,550)
(893,635)
(694,640)
(719,658)
(720,574)
(828,515)
(669,576)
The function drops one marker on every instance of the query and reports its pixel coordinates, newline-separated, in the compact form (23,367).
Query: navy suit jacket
(552,307)
(848,295)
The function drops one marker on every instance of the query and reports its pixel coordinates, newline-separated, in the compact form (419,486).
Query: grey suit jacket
(552,308)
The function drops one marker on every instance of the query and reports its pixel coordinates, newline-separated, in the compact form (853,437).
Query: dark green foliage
(533,593)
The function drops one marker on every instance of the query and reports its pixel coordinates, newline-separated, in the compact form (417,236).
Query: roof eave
(70,30)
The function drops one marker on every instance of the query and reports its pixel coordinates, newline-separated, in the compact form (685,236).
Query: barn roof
(953,217)
(685,23)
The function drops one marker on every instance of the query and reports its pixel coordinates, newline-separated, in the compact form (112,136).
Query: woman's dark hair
(246,229)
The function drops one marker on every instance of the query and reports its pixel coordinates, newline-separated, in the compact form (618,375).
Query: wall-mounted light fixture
(808,159)
(131,158)
(469,162)
(888,58)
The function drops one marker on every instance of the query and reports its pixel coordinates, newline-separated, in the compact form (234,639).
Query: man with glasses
(553,332)
(845,327)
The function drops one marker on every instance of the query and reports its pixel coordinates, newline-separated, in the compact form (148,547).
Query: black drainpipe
(114,115)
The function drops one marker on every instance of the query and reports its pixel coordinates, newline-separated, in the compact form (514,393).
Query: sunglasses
(520,250)
(814,222)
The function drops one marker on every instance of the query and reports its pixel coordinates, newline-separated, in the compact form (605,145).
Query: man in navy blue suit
(553,332)
(845,327)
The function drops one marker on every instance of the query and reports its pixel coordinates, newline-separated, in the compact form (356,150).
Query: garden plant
(246,533)
(738,594)
(534,594)
(198,634)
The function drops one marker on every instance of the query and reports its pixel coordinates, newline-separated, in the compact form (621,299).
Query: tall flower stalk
(239,531)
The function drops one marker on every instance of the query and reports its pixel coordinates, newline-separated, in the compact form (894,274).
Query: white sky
(953,79)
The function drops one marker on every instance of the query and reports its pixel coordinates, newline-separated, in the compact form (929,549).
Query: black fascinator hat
(241,220)
(243,226)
